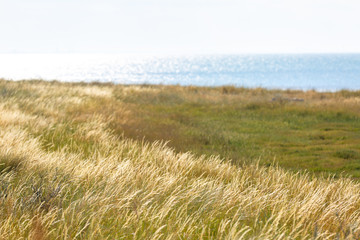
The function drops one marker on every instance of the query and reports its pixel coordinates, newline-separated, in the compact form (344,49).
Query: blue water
(323,72)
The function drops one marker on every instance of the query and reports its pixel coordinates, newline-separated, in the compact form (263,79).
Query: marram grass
(65,178)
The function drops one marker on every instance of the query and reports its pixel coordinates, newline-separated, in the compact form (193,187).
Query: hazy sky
(179,26)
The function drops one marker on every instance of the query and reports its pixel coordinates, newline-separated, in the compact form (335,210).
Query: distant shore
(225,87)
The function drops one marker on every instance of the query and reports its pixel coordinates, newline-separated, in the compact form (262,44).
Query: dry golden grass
(68,176)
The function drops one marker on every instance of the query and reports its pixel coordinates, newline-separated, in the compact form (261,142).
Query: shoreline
(99,83)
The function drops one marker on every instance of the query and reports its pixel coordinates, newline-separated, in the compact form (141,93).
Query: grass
(240,124)
(88,161)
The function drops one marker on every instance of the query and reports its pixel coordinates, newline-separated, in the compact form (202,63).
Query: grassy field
(88,161)
(298,130)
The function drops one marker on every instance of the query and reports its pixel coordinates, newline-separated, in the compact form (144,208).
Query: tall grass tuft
(66,176)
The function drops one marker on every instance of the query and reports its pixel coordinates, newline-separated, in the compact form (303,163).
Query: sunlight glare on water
(313,71)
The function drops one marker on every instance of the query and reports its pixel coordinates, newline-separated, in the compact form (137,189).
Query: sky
(179,26)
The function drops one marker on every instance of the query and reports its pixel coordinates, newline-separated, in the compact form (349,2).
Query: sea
(321,72)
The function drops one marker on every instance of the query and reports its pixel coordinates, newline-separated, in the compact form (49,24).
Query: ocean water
(322,72)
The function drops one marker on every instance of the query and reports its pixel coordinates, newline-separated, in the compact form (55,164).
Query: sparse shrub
(10,162)
(346,154)
(253,106)
(229,90)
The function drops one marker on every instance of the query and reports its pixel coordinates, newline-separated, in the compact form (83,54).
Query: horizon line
(177,53)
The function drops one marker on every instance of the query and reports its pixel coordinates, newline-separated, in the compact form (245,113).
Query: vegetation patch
(103,161)
(10,162)
(347,154)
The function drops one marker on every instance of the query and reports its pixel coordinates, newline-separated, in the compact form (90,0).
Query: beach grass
(298,130)
(103,161)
